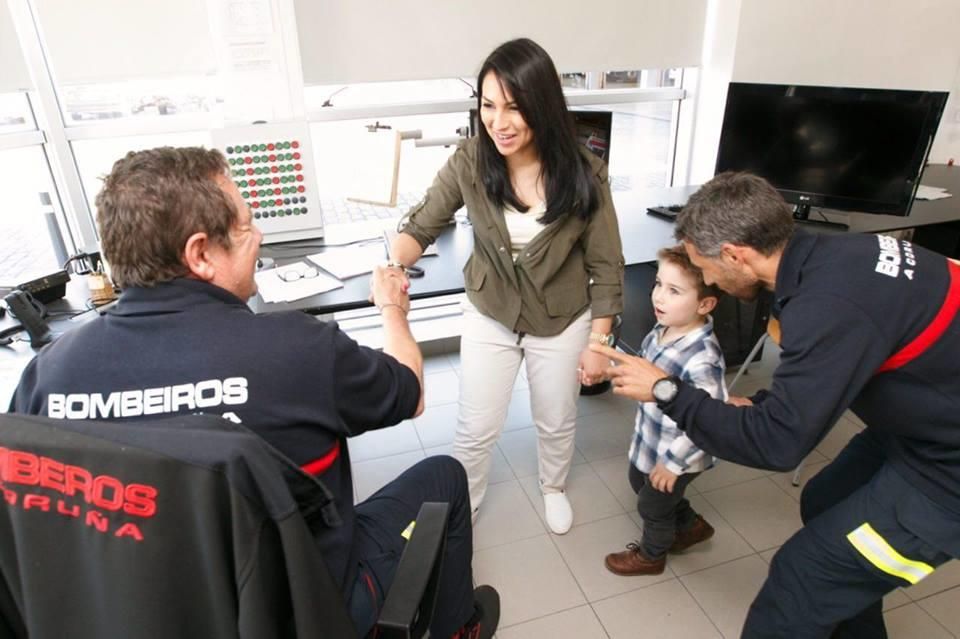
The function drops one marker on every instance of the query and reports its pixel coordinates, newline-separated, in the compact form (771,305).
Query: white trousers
(489,360)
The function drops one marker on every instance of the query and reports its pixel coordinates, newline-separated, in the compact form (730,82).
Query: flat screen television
(850,149)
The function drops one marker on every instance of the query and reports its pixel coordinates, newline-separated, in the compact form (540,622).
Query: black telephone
(31,314)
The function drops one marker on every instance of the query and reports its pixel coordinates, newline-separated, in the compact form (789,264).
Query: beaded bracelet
(380,308)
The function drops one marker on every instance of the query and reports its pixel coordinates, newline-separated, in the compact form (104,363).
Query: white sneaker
(559,514)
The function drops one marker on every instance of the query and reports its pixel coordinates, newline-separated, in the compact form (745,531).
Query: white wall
(946,146)
(886,44)
(896,44)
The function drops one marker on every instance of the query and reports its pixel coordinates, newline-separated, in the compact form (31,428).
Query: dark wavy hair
(525,70)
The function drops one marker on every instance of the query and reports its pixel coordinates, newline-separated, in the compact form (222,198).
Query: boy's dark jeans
(663,513)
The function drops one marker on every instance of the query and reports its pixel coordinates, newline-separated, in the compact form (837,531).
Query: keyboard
(344,211)
(665,212)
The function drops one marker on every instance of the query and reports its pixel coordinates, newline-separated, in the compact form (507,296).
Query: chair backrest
(182,527)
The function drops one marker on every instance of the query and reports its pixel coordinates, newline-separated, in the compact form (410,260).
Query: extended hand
(631,376)
(662,479)
(389,286)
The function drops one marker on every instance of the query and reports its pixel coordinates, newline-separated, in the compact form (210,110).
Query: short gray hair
(735,208)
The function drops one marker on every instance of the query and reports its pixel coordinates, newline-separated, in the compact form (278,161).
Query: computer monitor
(593,128)
(851,149)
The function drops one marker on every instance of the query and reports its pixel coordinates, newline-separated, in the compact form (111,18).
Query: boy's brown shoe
(699,531)
(632,562)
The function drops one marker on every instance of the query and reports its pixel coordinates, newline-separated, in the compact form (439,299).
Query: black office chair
(182,527)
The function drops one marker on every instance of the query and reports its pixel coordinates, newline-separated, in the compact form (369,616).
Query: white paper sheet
(925,192)
(350,261)
(273,289)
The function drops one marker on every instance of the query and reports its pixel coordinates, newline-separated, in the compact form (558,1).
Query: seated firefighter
(182,245)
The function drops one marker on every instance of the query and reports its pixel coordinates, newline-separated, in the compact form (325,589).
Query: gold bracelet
(380,308)
(395,264)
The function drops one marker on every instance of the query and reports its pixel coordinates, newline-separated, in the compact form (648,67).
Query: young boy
(663,461)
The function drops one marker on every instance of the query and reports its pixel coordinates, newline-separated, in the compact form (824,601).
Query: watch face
(610,340)
(664,389)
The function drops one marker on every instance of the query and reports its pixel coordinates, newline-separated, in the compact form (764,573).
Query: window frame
(575,97)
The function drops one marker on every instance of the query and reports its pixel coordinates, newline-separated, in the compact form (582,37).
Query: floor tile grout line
(934,594)
(700,606)
(729,523)
(934,619)
(738,482)
(558,612)
(557,548)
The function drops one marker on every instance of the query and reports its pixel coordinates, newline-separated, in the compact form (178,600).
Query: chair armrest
(408,609)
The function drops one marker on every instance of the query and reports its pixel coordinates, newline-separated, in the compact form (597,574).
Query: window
(641,79)
(339,170)
(641,148)
(15,114)
(96,157)
(371,93)
(89,103)
(27,243)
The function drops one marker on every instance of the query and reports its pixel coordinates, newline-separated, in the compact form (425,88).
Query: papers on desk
(350,261)
(925,192)
(273,289)
(358,259)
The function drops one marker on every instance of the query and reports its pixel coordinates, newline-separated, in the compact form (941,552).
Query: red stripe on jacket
(322,464)
(935,330)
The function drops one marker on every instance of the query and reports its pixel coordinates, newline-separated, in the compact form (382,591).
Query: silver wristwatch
(665,390)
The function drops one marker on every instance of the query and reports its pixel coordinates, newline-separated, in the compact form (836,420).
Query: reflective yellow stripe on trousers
(882,555)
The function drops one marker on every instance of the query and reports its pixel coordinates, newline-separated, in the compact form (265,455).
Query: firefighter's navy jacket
(191,347)
(868,323)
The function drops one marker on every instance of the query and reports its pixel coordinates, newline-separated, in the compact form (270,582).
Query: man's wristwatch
(607,339)
(665,390)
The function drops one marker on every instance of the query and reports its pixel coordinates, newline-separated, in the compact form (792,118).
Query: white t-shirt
(523,227)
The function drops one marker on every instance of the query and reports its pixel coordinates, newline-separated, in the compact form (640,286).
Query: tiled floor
(557,587)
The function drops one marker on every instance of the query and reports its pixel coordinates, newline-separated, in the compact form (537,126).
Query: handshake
(389,287)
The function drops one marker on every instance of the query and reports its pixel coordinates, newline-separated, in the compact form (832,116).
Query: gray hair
(735,208)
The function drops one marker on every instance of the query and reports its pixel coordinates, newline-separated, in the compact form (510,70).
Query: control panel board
(272,165)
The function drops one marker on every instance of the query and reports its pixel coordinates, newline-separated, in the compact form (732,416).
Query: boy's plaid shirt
(696,359)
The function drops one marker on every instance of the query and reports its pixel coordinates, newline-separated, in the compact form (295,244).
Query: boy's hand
(734,400)
(632,376)
(662,479)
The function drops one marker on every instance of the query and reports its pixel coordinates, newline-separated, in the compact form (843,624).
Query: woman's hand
(593,367)
(734,400)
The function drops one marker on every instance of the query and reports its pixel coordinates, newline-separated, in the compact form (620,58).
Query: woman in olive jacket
(546,273)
